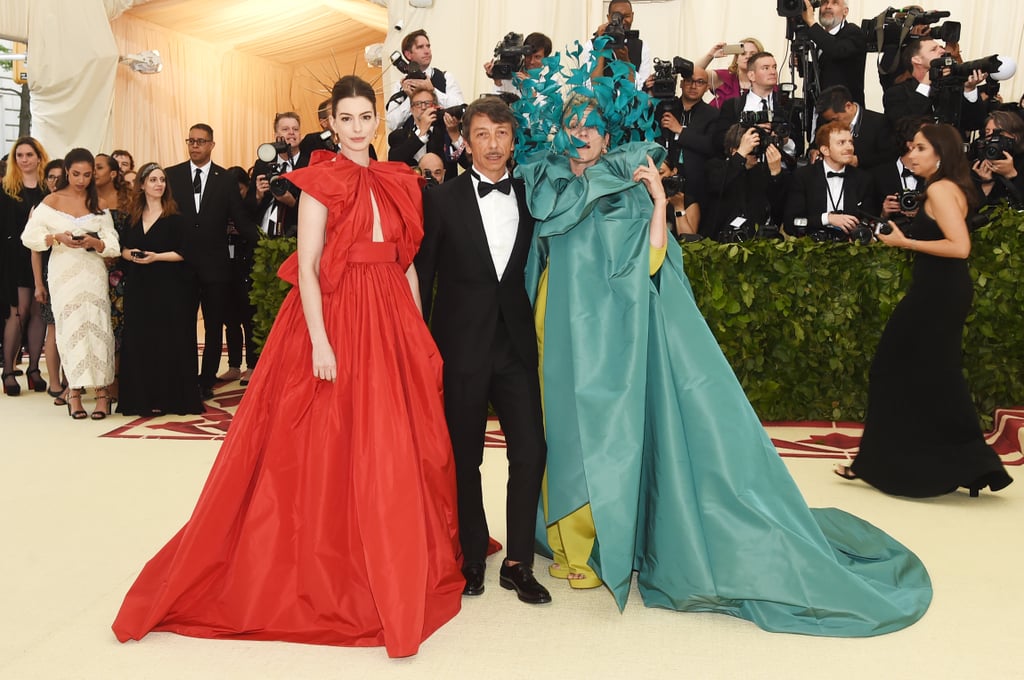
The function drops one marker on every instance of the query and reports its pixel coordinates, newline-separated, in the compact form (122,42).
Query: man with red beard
(826,198)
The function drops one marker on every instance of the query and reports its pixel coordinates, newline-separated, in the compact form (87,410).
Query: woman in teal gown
(650,434)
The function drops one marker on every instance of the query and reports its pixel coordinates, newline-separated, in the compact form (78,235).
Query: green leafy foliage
(268,291)
(799,321)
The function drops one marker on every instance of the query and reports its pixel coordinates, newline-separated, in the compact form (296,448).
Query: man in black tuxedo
(827,197)
(842,46)
(763,73)
(688,141)
(914,96)
(893,177)
(208,197)
(873,140)
(276,208)
(477,237)
(428,130)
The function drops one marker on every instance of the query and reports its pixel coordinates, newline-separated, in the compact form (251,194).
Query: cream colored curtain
(463,32)
(236,94)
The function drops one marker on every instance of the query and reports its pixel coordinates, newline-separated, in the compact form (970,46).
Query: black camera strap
(836,204)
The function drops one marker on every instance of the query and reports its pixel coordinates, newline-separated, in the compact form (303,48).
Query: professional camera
(664,86)
(407,68)
(673,184)
(961,72)
(268,152)
(751,118)
(456,111)
(891,28)
(909,199)
(993,147)
(868,229)
(508,56)
(616,31)
(794,8)
(744,229)
(780,129)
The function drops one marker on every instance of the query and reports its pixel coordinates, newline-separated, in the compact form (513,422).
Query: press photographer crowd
(747,156)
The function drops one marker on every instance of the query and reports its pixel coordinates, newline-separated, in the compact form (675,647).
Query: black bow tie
(484,188)
(830,175)
(907,172)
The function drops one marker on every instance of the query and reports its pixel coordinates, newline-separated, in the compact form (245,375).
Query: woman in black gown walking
(921,433)
(158,345)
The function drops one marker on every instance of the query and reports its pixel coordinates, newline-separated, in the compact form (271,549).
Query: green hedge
(799,321)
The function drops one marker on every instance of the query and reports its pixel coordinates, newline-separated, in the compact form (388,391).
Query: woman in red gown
(329,515)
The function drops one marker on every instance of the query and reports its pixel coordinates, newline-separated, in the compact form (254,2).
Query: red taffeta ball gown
(329,516)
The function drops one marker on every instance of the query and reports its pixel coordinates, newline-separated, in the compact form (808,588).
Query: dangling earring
(938,164)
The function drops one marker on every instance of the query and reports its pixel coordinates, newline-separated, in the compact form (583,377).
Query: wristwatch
(680,213)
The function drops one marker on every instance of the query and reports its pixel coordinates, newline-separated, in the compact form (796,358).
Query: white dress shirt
(204,174)
(500,215)
(834,198)
(397,112)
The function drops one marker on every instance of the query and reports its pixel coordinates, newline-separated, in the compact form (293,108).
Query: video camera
(892,27)
(509,54)
(616,31)
(268,152)
(794,8)
(663,87)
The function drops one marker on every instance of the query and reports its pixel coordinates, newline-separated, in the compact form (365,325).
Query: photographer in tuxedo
(477,235)
(633,50)
(208,198)
(429,130)
(842,46)
(416,50)
(913,96)
(275,207)
(829,195)
(763,73)
(873,140)
(894,179)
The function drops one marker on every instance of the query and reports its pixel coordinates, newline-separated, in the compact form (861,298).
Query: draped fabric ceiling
(235,63)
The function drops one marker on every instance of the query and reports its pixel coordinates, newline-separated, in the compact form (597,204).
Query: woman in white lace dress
(81,234)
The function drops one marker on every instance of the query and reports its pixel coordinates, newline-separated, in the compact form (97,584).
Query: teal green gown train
(647,423)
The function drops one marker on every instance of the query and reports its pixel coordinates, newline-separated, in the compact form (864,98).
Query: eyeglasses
(700,82)
(197,142)
(422,105)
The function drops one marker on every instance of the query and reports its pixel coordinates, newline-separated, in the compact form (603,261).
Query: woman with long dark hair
(23,189)
(329,516)
(40,267)
(921,431)
(79,234)
(158,349)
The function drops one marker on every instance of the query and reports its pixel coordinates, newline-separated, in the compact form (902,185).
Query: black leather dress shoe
(474,574)
(520,579)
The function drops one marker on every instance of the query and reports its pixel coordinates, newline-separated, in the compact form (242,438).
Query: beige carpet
(85,504)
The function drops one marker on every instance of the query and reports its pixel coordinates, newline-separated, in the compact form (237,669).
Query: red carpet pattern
(812,439)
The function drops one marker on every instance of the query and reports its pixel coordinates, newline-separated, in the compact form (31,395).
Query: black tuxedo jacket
(206,234)
(287,216)
(470,300)
(808,195)
(314,142)
(904,100)
(403,144)
(887,181)
(693,147)
(842,58)
(735,191)
(873,140)
(730,115)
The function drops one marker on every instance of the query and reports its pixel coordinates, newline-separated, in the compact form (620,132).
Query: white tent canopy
(235,63)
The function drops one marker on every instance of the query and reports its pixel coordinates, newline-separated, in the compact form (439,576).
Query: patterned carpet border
(807,439)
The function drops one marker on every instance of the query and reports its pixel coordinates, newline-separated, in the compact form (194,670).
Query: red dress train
(329,515)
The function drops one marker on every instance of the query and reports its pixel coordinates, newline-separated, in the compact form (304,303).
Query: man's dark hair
(752,62)
(732,138)
(911,49)
(490,106)
(833,99)
(539,42)
(204,127)
(408,40)
(352,86)
(324,110)
(906,128)
(121,152)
